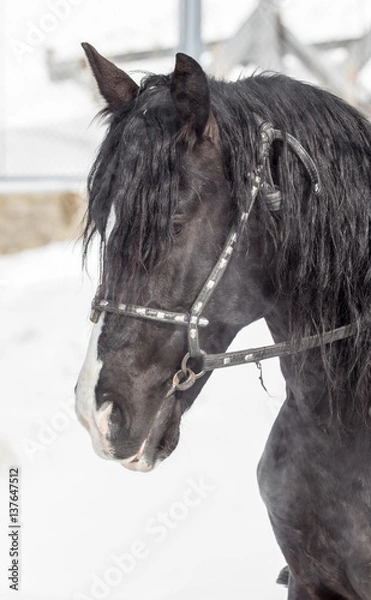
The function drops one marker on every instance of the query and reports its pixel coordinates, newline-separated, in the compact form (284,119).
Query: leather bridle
(262,181)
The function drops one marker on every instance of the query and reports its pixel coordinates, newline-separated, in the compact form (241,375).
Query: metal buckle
(185,378)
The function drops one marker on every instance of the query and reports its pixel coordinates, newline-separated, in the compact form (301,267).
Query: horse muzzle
(158,444)
(138,462)
(162,438)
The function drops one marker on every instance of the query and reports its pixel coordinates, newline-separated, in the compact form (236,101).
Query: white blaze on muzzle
(95,421)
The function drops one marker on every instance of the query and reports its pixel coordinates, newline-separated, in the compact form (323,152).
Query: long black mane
(137,171)
(317,248)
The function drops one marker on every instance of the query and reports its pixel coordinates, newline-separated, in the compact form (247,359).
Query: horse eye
(177,229)
(178,224)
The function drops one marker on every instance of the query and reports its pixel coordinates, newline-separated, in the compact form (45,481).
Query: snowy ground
(79,513)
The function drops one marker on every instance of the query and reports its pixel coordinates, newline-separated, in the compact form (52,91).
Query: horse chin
(138,462)
(161,441)
(145,461)
(162,438)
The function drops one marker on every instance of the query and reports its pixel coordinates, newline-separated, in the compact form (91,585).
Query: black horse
(219,204)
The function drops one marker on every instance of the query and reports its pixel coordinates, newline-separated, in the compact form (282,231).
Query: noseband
(262,181)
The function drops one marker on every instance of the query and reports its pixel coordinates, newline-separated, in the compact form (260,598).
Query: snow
(79,511)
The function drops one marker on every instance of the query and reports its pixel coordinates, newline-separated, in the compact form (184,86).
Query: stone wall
(28,220)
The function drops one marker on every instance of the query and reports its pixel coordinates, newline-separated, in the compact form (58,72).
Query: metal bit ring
(186,369)
(183,381)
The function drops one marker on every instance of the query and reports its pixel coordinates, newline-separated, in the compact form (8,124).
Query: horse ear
(190,94)
(114,84)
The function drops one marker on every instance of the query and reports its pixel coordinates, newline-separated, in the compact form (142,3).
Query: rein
(262,181)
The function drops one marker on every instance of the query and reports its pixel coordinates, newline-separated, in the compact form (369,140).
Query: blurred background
(49,99)
(79,512)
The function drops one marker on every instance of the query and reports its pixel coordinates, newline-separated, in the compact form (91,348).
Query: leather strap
(254,355)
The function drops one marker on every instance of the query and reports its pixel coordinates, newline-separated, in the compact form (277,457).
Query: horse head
(161,198)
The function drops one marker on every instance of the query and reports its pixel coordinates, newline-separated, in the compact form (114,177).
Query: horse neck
(306,381)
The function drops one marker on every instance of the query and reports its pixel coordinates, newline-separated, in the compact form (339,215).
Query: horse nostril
(110,419)
(116,416)
(103,418)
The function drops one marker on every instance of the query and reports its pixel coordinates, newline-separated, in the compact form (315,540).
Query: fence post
(257,42)
(190,28)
